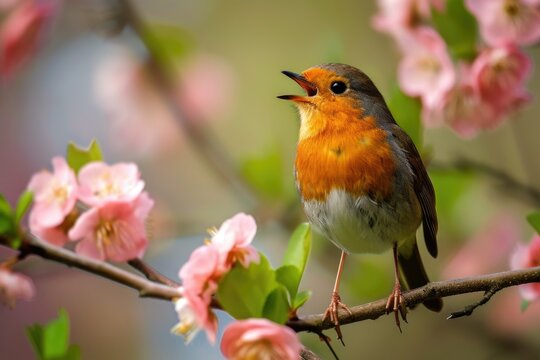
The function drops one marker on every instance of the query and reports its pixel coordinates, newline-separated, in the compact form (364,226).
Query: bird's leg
(332,311)
(396,302)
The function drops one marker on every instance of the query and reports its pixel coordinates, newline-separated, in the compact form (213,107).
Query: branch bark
(489,283)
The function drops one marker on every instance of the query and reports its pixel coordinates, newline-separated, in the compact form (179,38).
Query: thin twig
(506,182)
(151,273)
(468,310)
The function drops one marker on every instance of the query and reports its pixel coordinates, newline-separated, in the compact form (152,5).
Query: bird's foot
(396,303)
(332,313)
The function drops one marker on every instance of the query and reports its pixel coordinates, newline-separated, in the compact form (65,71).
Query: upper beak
(307,85)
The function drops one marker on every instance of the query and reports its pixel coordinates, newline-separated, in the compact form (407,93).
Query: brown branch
(487,283)
(151,273)
(506,182)
(146,288)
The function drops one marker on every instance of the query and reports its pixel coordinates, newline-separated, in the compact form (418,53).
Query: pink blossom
(19,34)
(494,241)
(206,88)
(526,257)
(426,69)
(14,286)
(463,109)
(100,183)
(140,119)
(55,195)
(199,279)
(398,16)
(505,22)
(200,273)
(260,339)
(233,240)
(114,230)
(499,75)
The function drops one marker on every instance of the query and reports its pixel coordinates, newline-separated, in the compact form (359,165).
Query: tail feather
(414,274)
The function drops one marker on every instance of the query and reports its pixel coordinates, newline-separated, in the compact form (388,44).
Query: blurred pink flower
(426,69)
(205,88)
(199,282)
(525,257)
(504,22)
(8,4)
(100,183)
(233,240)
(463,109)
(260,339)
(14,286)
(114,230)
(139,118)
(20,33)
(396,16)
(499,74)
(494,241)
(55,195)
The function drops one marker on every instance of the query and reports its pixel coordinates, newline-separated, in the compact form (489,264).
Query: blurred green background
(53,100)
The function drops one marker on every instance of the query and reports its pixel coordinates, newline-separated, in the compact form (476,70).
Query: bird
(361,180)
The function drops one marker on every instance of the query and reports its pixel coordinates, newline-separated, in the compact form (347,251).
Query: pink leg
(332,311)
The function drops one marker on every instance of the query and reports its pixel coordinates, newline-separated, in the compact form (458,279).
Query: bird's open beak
(307,85)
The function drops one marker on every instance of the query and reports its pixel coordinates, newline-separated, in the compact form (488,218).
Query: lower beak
(307,85)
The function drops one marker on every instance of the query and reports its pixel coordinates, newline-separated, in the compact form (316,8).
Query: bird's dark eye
(338,87)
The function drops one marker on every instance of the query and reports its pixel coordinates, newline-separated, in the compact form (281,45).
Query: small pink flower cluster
(244,339)
(471,96)
(20,32)
(111,228)
(205,267)
(526,256)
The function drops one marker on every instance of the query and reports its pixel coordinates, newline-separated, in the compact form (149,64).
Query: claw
(396,304)
(332,313)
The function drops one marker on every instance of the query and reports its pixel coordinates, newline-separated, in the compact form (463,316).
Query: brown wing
(422,187)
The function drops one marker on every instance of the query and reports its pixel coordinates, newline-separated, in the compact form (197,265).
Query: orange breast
(353,156)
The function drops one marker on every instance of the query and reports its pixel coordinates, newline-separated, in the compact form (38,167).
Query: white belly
(362,225)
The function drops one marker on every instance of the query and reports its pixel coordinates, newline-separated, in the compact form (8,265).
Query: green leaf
(51,341)
(458,28)
(406,111)
(77,157)
(299,247)
(6,217)
(242,292)
(265,173)
(289,276)
(276,306)
(524,305)
(301,299)
(5,208)
(22,205)
(168,43)
(534,220)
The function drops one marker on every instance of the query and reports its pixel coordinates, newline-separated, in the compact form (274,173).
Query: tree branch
(487,283)
(146,288)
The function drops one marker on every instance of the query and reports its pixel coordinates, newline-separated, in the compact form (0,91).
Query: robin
(361,180)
